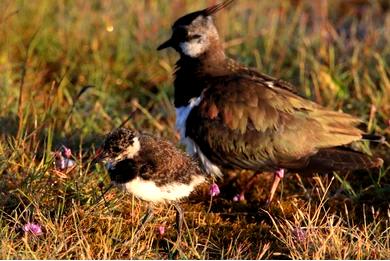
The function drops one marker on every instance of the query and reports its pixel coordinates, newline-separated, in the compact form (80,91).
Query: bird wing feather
(253,124)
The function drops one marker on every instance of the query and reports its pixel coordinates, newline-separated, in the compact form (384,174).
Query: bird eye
(193,37)
(116,149)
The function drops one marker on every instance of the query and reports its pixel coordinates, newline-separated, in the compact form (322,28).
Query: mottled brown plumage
(236,117)
(151,168)
(261,127)
(157,160)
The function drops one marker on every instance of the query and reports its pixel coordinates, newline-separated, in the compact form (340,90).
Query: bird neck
(192,74)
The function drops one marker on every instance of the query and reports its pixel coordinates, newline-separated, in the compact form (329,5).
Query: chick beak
(99,156)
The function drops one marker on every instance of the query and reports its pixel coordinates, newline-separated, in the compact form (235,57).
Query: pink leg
(278,175)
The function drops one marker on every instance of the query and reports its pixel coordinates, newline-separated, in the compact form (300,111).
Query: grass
(70,71)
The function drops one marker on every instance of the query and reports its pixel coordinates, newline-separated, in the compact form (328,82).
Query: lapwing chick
(236,117)
(150,168)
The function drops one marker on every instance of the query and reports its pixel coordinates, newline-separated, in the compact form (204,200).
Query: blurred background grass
(70,71)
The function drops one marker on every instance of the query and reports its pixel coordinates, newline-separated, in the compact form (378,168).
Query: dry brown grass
(72,71)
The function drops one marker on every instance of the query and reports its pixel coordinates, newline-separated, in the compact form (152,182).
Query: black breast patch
(124,171)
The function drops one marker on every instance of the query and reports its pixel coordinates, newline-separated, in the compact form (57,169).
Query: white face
(195,47)
(201,31)
(130,152)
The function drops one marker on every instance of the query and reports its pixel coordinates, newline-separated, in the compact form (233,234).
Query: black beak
(164,45)
(99,156)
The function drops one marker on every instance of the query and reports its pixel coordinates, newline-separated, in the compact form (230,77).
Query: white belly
(191,147)
(148,191)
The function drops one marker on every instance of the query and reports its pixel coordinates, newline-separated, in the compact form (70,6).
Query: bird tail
(338,159)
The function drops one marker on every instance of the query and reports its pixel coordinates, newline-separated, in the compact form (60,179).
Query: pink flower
(239,197)
(214,190)
(161,230)
(61,162)
(280,173)
(33,228)
(67,152)
(299,234)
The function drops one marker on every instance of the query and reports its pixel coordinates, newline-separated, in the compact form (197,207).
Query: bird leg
(147,217)
(179,220)
(278,175)
(249,184)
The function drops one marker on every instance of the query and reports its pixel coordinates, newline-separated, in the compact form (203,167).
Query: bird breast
(181,121)
(191,147)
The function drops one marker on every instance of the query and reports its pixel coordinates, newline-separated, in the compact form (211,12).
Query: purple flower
(161,230)
(33,228)
(214,190)
(239,197)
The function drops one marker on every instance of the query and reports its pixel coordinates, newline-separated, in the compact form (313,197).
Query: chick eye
(116,149)
(193,36)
